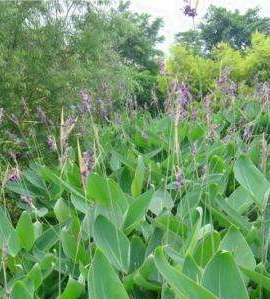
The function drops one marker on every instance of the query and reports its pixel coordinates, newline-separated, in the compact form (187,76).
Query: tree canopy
(222,25)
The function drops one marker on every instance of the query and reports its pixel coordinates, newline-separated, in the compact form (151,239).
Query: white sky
(175,21)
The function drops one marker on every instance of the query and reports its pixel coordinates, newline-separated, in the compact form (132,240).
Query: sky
(175,21)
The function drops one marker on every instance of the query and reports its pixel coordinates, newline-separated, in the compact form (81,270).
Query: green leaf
(137,183)
(35,276)
(137,210)
(106,192)
(25,231)
(161,199)
(48,238)
(259,278)
(73,248)
(206,248)
(223,277)
(73,290)
(113,242)
(66,185)
(20,291)
(8,235)
(62,210)
(235,243)
(103,282)
(252,179)
(148,276)
(137,253)
(191,269)
(193,237)
(182,284)
(171,223)
(240,200)
(167,293)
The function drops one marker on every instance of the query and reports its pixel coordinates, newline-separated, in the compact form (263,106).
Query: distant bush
(251,66)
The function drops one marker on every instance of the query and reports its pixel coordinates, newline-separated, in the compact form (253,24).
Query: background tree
(222,25)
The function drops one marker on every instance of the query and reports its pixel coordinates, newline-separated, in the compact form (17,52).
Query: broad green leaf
(137,211)
(47,264)
(73,290)
(240,200)
(113,242)
(74,248)
(137,253)
(206,248)
(105,191)
(103,282)
(8,235)
(40,271)
(148,276)
(161,199)
(259,278)
(62,183)
(191,269)
(62,210)
(137,183)
(182,284)
(167,293)
(48,238)
(236,218)
(252,179)
(235,243)
(21,291)
(193,237)
(38,229)
(223,277)
(35,276)
(189,203)
(154,242)
(111,201)
(25,231)
(171,223)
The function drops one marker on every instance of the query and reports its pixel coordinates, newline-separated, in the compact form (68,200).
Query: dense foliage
(248,67)
(118,193)
(50,51)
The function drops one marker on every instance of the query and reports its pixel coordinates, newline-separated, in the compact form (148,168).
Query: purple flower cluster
(14,175)
(184,96)
(189,11)
(87,164)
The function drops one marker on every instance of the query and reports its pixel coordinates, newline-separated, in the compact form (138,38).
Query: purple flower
(189,11)
(14,175)
(87,164)
(184,96)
